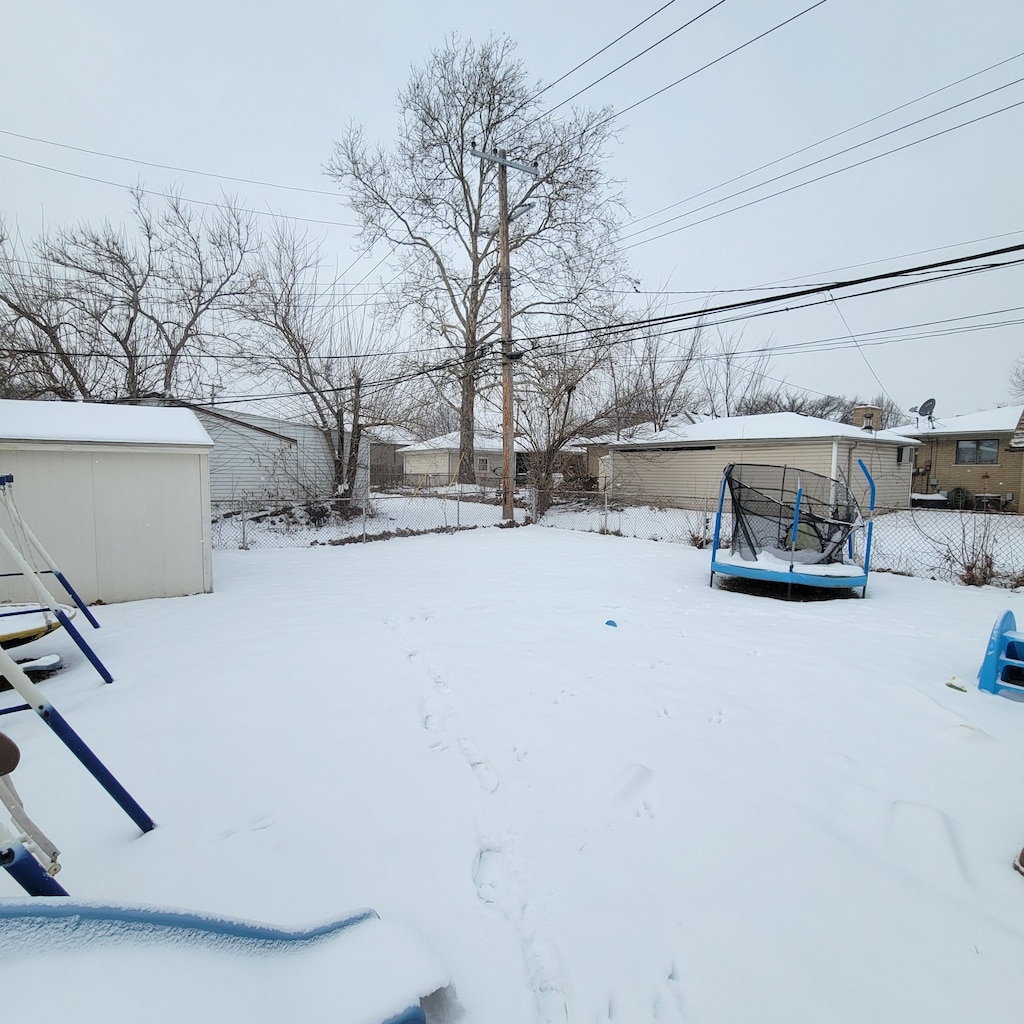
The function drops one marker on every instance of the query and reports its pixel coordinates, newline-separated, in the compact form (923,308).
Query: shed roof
(93,422)
(774,426)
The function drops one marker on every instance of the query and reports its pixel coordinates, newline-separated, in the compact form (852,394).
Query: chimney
(867,417)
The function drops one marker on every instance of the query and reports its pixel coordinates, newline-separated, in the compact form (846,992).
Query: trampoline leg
(711,582)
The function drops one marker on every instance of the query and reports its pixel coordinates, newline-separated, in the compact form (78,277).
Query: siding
(122,523)
(696,474)
(266,459)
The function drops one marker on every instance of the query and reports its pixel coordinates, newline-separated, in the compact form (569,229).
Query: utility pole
(500,157)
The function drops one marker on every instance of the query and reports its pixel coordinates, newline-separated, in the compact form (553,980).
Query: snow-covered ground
(723,808)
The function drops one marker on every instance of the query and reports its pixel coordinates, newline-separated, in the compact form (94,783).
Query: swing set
(26,853)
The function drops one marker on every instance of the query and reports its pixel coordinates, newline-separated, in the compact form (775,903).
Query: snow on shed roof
(991,421)
(98,423)
(774,426)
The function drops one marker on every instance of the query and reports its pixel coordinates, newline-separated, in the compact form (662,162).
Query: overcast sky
(259,91)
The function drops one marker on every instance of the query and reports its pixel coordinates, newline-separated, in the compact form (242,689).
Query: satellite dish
(926,408)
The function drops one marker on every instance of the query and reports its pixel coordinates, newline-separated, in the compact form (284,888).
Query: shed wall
(122,524)
(696,474)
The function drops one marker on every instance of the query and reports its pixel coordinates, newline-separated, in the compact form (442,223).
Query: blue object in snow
(611,622)
(1002,671)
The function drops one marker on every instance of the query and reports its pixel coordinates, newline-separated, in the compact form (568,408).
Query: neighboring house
(684,462)
(265,457)
(436,461)
(982,452)
(118,495)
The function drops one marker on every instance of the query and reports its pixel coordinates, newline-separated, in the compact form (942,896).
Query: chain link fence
(250,524)
(945,544)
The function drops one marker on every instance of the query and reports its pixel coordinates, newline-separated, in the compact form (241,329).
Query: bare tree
(302,335)
(734,382)
(115,313)
(435,205)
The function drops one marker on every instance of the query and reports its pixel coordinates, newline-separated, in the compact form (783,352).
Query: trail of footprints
(497,884)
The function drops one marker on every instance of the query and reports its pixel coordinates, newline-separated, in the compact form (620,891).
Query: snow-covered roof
(775,426)
(991,421)
(482,442)
(98,423)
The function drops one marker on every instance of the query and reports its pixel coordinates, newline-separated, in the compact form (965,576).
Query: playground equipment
(1002,671)
(29,546)
(23,854)
(792,526)
(91,962)
(23,623)
(23,554)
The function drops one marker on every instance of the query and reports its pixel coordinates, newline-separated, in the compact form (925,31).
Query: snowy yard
(725,808)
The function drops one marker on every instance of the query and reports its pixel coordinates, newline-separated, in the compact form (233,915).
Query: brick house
(982,452)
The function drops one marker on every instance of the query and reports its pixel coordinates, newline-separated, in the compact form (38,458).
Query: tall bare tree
(301,334)
(434,204)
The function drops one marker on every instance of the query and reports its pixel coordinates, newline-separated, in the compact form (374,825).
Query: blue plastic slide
(90,962)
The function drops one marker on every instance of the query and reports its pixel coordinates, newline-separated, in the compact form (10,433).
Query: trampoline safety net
(764,502)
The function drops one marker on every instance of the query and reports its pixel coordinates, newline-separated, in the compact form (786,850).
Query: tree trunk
(467,467)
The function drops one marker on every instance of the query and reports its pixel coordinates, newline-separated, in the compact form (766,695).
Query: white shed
(119,496)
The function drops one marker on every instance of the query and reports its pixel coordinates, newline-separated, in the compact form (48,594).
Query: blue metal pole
(72,593)
(871,524)
(19,863)
(83,646)
(95,766)
(718,523)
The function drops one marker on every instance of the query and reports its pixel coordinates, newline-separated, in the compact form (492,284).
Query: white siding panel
(122,524)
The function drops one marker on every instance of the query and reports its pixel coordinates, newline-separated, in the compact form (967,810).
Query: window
(481,464)
(984,453)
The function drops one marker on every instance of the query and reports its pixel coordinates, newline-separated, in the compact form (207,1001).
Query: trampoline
(792,526)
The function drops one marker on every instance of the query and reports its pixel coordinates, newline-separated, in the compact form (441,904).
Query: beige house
(982,452)
(435,462)
(683,464)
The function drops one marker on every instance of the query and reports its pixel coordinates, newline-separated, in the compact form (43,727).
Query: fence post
(245,513)
(365,504)
(604,513)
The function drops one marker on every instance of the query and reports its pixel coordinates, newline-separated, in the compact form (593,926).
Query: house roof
(100,423)
(991,421)
(482,442)
(775,426)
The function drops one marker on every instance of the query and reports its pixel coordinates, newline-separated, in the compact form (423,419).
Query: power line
(831,156)
(752,308)
(828,174)
(167,167)
(626,63)
(830,138)
(608,46)
(194,202)
(742,46)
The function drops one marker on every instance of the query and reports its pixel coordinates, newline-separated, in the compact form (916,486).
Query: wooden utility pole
(500,157)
